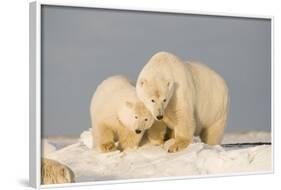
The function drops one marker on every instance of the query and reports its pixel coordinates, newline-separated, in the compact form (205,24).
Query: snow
(250,136)
(150,161)
(47,148)
(86,138)
(61,141)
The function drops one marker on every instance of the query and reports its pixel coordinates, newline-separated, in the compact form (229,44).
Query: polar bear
(189,98)
(118,115)
(53,172)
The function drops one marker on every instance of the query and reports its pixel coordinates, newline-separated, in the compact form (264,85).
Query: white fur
(54,172)
(116,114)
(196,98)
(212,100)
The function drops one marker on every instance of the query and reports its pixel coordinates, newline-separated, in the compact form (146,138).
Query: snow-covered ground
(153,161)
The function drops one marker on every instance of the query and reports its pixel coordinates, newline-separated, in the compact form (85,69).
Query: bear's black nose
(138,131)
(159,117)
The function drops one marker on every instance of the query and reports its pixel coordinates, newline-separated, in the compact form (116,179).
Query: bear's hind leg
(212,135)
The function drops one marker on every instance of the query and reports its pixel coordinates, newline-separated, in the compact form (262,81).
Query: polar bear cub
(189,98)
(118,115)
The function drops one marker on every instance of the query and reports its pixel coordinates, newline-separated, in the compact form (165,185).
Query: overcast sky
(83,46)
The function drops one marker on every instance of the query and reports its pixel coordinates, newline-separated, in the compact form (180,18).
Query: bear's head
(134,115)
(155,94)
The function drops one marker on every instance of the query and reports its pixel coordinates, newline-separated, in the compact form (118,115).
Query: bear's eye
(164,100)
(152,100)
(136,117)
(145,119)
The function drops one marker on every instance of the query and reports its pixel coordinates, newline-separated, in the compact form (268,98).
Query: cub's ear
(142,82)
(129,104)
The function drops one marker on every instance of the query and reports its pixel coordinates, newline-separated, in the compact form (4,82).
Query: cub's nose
(138,131)
(159,117)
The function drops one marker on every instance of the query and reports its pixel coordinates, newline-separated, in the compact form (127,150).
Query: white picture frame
(35,87)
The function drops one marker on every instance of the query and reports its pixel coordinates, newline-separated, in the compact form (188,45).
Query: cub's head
(135,116)
(155,94)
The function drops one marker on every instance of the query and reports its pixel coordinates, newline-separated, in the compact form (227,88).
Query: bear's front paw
(107,147)
(178,145)
(159,142)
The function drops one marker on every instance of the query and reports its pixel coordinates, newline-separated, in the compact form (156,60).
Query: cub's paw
(108,147)
(158,142)
(178,145)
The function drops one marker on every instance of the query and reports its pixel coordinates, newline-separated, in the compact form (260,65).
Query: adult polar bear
(191,99)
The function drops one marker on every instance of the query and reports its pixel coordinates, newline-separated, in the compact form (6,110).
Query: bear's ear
(129,104)
(171,86)
(142,82)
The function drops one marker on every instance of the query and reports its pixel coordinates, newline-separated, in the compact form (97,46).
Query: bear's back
(163,63)
(211,92)
(53,172)
(110,94)
(113,84)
